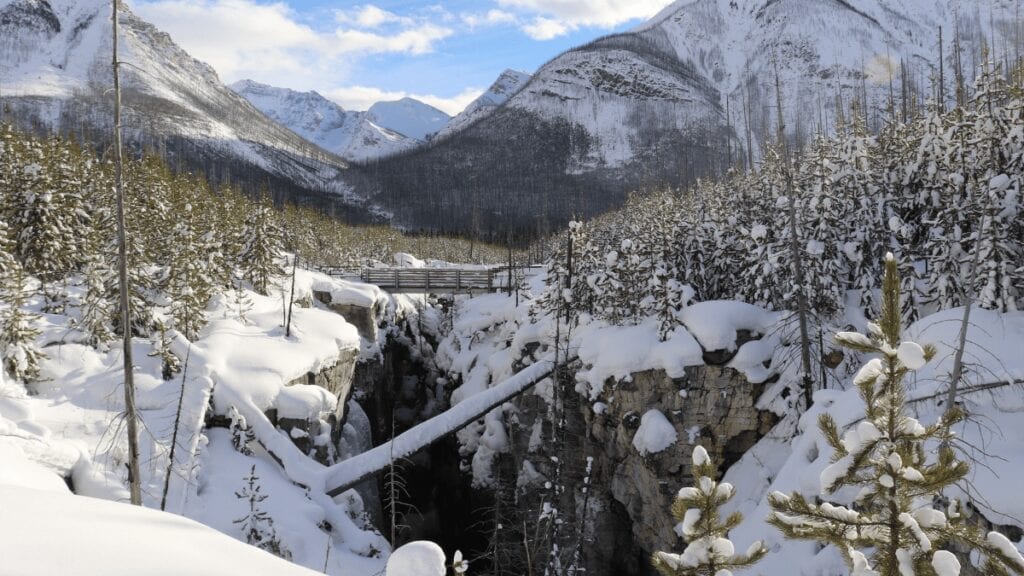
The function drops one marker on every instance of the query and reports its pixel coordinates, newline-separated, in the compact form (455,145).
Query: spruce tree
(709,551)
(18,349)
(262,246)
(97,309)
(893,527)
(257,526)
(169,362)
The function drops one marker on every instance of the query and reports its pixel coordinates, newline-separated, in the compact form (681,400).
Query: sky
(443,53)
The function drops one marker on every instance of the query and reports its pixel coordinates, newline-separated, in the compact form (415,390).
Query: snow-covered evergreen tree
(170,363)
(18,348)
(97,309)
(262,246)
(893,527)
(709,552)
(257,526)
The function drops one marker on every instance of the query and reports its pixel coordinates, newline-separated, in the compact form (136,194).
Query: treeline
(942,192)
(187,242)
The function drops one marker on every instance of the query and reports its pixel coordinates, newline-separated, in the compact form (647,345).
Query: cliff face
(626,514)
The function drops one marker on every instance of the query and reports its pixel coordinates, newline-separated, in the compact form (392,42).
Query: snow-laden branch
(351,472)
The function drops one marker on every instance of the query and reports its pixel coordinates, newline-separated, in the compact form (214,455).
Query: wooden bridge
(435,280)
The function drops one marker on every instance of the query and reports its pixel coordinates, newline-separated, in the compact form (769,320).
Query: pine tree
(170,364)
(97,310)
(18,349)
(886,456)
(257,526)
(709,551)
(241,433)
(262,246)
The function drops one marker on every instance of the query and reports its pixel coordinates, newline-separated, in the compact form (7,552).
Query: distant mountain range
(688,94)
(386,129)
(55,74)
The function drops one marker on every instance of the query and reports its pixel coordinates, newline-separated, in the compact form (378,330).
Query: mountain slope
(506,86)
(675,99)
(55,72)
(351,135)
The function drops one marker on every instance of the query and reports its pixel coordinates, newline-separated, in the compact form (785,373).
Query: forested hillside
(942,192)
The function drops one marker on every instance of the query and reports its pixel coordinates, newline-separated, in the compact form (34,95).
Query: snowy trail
(348,473)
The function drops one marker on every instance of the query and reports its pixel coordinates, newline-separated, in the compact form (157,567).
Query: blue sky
(445,53)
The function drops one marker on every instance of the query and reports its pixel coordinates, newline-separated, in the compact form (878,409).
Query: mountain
(510,82)
(352,135)
(685,95)
(410,117)
(55,73)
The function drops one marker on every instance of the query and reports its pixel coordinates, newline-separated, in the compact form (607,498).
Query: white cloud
(542,28)
(552,18)
(362,97)
(370,16)
(418,40)
(269,42)
(492,17)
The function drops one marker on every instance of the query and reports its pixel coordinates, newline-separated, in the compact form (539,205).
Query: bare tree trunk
(134,481)
(794,246)
(174,434)
(291,297)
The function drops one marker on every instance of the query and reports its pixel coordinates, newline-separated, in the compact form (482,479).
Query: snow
(351,135)
(911,355)
(655,433)
(65,431)
(616,352)
(55,532)
(945,563)
(408,117)
(507,85)
(304,402)
(420,558)
(714,324)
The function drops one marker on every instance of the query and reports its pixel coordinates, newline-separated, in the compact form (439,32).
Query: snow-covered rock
(420,558)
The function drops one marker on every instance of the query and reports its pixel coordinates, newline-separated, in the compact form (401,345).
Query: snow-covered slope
(352,135)
(410,117)
(56,532)
(55,71)
(506,86)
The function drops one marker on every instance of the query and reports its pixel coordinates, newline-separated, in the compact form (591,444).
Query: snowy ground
(71,428)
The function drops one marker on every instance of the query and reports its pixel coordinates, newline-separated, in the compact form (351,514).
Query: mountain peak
(409,117)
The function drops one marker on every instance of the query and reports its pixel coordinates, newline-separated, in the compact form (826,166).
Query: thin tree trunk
(174,434)
(291,296)
(134,481)
(794,246)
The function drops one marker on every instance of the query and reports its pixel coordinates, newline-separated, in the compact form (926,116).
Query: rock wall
(628,512)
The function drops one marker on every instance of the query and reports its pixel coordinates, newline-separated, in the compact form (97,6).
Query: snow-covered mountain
(410,117)
(506,86)
(352,135)
(55,71)
(675,99)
